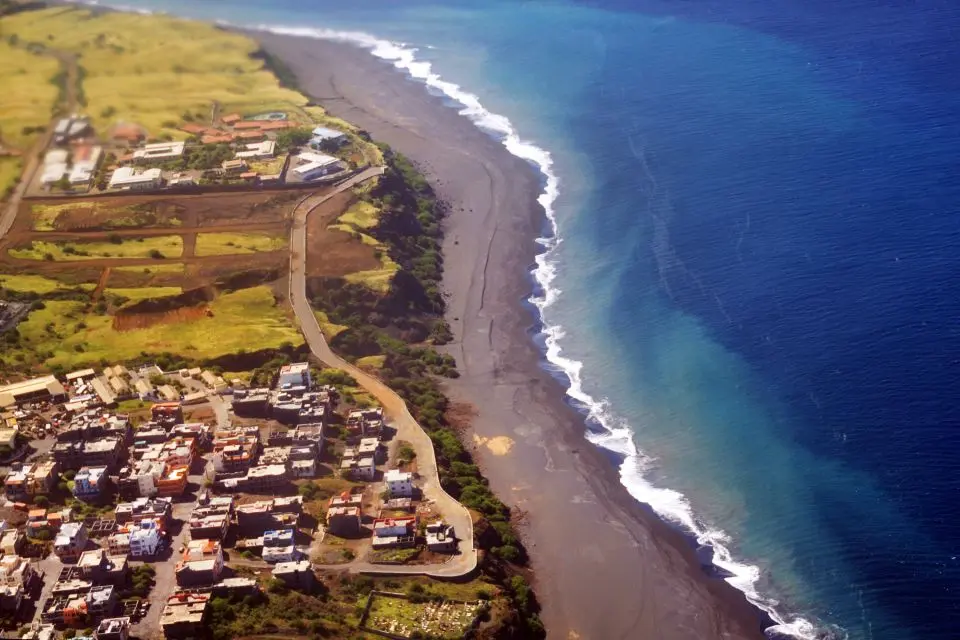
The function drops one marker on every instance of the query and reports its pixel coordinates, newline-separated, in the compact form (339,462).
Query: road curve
(465,562)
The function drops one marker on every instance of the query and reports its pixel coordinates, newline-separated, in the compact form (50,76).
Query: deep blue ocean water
(758,272)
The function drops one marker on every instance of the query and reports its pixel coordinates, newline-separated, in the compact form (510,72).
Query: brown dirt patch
(129,322)
(335,253)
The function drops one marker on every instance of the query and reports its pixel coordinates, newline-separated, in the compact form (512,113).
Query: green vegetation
(330,330)
(216,244)
(392,324)
(10,168)
(155,247)
(100,214)
(399,556)
(154,269)
(125,406)
(362,215)
(28,97)
(371,362)
(151,70)
(29,283)
(269,167)
(70,334)
(405,617)
(136,294)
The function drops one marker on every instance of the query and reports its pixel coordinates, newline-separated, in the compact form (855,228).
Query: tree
(63,184)
(289,138)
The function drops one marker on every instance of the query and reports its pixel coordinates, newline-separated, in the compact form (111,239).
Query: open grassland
(151,70)
(101,214)
(154,269)
(435,619)
(329,329)
(136,294)
(152,247)
(218,244)
(10,168)
(361,214)
(30,283)
(64,333)
(376,279)
(28,93)
(268,167)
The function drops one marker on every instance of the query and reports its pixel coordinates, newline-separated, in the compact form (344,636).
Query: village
(124,523)
(262,150)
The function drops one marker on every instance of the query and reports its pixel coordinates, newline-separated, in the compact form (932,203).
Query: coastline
(579,521)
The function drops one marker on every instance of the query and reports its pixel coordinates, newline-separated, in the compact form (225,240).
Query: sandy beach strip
(606,567)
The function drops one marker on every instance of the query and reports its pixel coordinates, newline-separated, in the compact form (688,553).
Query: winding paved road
(454,513)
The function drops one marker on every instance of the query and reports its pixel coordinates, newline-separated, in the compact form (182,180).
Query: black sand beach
(605,566)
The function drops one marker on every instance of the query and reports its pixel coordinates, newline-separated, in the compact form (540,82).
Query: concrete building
(257,150)
(99,567)
(184,614)
(325,138)
(130,179)
(158,153)
(43,389)
(296,575)
(278,546)
(440,537)
(202,563)
(113,629)
(140,479)
(159,510)
(86,159)
(17,577)
(71,541)
(145,538)
(295,378)
(90,483)
(344,521)
(315,165)
(28,480)
(399,483)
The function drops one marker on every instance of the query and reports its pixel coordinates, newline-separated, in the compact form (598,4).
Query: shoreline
(544,465)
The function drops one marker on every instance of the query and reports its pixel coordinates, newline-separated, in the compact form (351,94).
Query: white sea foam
(613,433)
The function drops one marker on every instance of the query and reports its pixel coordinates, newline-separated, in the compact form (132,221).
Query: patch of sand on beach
(498,445)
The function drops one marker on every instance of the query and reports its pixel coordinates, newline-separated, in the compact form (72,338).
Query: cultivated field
(403,617)
(156,247)
(218,244)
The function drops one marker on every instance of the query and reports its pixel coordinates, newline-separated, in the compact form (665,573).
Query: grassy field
(376,279)
(64,333)
(10,168)
(135,294)
(28,95)
(268,167)
(329,329)
(154,269)
(361,214)
(26,283)
(371,362)
(217,244)
(151,70)
(403,617)
(168,246)
(97,213)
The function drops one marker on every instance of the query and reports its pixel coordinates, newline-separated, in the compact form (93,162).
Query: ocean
(750,279)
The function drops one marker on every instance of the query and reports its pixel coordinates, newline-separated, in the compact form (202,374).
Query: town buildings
(71,541)
(184,614)
(399,483)
(90,483)
(27,480)
(42,389)
(202,563)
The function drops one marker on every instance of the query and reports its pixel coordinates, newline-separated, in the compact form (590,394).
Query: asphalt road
(454,513)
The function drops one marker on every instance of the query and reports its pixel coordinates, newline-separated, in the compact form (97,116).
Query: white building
(316,165)
(257,150)
(144,539)
(132,179)
(54,165)
(159,152)
(85,162)
(399,483)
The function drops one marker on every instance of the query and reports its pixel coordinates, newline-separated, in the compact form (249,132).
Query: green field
(218,244)
(168,246)
(329,329)
(376,279)
(10,168)
(28,96)
(154,269)
(268,167)
(361,214)
(151,70)
(402,617)
(27,283)
(136,294)
(371,362)
(101,214)
(64,334)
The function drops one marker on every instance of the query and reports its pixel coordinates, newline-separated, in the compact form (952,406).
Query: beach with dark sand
(605,566)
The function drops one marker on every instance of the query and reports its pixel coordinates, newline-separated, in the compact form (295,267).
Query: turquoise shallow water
(755,292)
